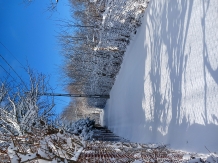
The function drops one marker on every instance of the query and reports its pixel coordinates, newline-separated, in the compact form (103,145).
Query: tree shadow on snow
(168,25)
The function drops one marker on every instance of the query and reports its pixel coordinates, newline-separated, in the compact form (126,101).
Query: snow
(82,127)
(93,1)
(166,90)
(52,148)
(186,157)
(57,148)
(75,158)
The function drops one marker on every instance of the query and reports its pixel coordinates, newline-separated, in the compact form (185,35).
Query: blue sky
(29,33)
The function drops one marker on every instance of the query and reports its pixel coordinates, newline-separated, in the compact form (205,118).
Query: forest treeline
(93,45)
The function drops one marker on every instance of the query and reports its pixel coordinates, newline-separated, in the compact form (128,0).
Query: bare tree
(51,7)
(95,41)
(23,107)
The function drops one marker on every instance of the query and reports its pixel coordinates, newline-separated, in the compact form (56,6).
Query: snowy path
(167,88)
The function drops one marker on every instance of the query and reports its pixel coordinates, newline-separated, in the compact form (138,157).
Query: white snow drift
(167,88)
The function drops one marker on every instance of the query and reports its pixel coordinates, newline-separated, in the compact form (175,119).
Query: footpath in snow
(167,88)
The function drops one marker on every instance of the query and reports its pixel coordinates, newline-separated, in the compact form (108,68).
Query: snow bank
(166,90)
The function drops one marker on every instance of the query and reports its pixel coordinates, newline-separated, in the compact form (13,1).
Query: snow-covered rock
(83,127)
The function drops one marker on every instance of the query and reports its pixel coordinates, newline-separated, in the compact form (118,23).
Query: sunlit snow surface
(167,88)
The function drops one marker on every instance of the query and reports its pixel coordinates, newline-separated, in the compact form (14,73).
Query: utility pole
(75,95)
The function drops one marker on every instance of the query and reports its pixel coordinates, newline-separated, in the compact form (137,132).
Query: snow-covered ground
(167,88)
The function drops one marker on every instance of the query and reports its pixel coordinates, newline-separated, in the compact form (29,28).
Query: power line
(11,53)
(8,73)
(75,95)
(13,70)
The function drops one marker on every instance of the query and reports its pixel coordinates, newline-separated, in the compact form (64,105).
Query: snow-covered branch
(20,108)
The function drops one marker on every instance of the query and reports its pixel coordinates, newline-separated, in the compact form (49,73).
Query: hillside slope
(167,88)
